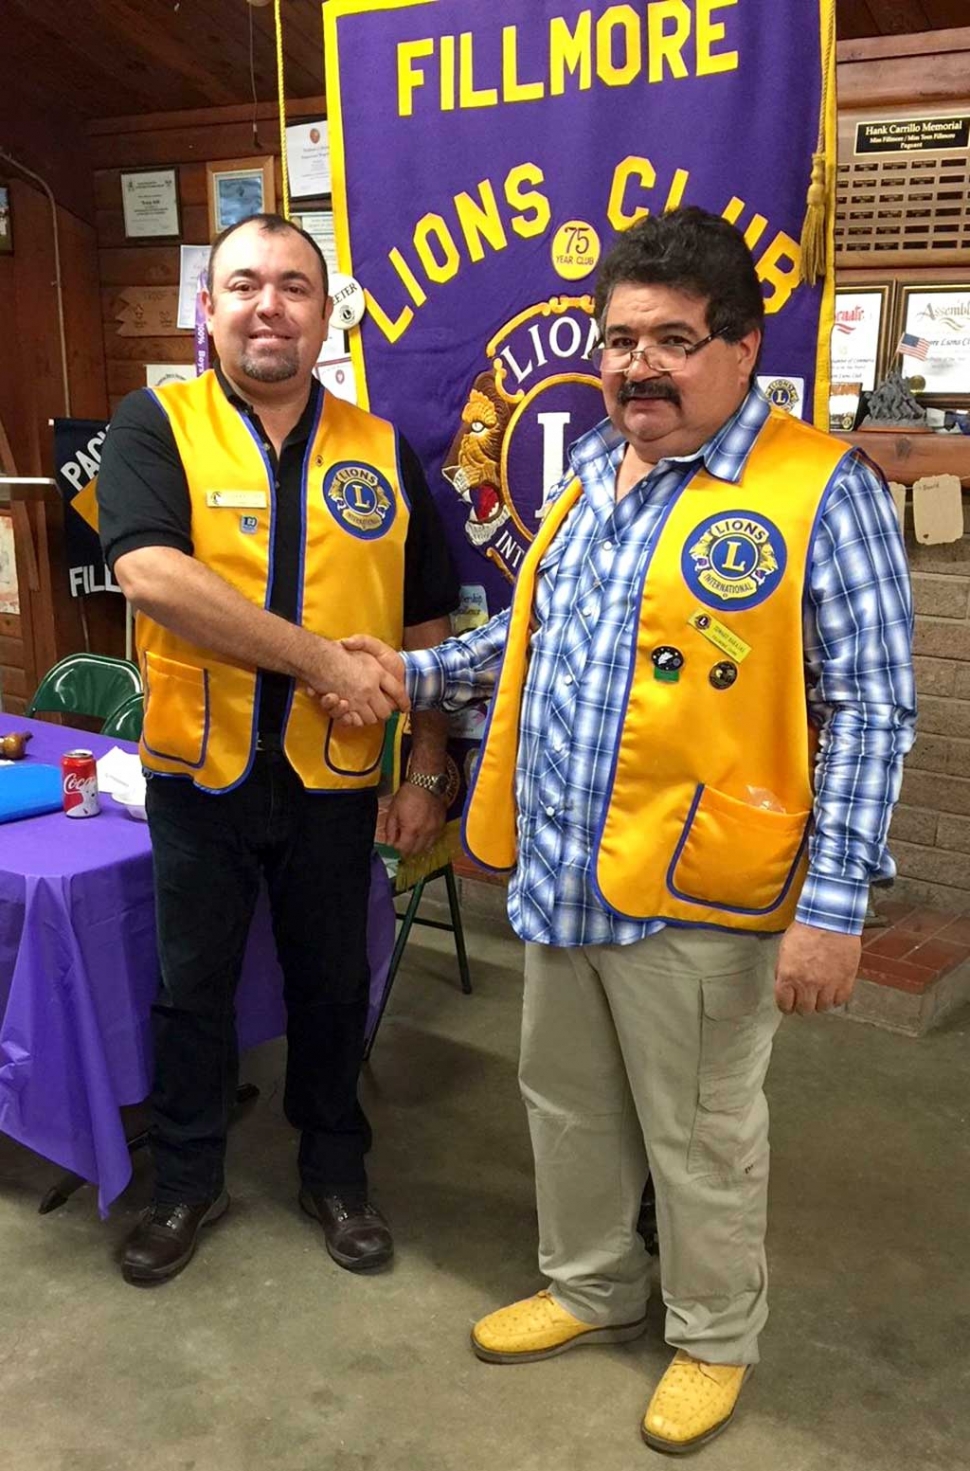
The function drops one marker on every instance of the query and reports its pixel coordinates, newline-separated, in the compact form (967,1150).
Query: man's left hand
(414,819)
(816,969)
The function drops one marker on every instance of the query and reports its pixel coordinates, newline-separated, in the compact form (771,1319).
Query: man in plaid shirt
(703,694)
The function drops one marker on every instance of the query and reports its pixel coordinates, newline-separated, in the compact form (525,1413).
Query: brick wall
(930,833)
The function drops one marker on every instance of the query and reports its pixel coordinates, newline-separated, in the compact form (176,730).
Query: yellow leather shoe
(692,1403)
(538,1328)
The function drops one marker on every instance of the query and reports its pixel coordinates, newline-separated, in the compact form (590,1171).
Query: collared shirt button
(568,679)
(608,546)
(550,811)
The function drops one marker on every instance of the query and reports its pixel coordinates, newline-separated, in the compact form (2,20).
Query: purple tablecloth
(79,970)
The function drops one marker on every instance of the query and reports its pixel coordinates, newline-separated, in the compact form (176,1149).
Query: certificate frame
(855,302)
(237,189)
(167,224)
(940,312)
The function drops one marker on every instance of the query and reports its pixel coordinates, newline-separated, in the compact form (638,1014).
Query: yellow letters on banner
(648,42)
(476,221)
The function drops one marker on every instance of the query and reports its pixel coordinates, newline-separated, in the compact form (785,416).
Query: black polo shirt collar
(300,432)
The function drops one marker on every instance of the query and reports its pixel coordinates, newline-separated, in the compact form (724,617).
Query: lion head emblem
(473,463)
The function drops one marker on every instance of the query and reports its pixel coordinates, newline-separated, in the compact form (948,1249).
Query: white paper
(158,374)
(308,158)
(193,260)
(855,337)
(318,223)
(120,773)
(338,379)
(334,349)
(943,318)
(150,203)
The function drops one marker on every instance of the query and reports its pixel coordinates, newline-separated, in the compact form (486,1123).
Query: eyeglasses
(665,357)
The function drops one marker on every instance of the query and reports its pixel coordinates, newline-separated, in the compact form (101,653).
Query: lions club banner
(485,154)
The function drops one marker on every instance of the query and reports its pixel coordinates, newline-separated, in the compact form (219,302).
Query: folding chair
(85,684)
(125,721)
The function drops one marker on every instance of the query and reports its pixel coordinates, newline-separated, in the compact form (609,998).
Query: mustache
(648,388)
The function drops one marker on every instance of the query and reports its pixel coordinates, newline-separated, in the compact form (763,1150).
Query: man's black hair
(272,225)
(695,252)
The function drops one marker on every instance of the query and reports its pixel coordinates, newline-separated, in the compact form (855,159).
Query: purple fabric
(79,970)
(452,311)
(201,334)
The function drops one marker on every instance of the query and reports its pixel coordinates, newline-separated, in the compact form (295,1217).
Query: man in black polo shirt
(253,520)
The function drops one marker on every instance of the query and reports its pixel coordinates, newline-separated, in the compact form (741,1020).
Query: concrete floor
(264,1356)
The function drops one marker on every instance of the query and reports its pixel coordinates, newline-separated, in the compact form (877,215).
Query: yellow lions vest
(200,708)
(710,796)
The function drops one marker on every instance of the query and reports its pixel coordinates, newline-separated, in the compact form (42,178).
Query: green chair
(85,684)
(410,917)
(125,722)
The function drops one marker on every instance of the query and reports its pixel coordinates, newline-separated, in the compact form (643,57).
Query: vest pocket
(353,750)
(734,856)
(176,726)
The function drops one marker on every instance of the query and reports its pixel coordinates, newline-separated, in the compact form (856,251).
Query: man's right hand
(357,687)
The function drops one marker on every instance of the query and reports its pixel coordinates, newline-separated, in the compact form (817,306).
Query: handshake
(358,681)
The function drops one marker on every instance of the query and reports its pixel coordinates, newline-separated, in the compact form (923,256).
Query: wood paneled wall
(188,141)
(32,393)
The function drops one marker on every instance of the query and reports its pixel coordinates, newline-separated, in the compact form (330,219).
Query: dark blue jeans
(209,853)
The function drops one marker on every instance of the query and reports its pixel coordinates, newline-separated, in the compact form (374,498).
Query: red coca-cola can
(79,784)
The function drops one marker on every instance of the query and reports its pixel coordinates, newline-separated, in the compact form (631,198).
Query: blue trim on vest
(339,770)
(301,569)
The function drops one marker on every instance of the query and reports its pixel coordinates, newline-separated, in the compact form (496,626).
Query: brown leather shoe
(358,1237)
(163,1242)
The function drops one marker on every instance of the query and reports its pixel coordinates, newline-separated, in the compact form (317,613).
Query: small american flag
(912,347)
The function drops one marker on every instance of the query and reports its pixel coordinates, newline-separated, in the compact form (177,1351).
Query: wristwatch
(436,785)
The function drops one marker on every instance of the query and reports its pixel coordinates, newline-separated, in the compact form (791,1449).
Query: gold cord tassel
(814,229)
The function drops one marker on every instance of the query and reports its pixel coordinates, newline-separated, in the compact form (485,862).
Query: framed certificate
(239,188)
(150,201)
(860,336)
(933,325)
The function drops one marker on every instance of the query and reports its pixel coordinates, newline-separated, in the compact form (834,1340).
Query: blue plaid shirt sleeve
(458,671)
(858,649)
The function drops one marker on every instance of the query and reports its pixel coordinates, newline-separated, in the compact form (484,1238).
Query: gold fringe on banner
(821,188)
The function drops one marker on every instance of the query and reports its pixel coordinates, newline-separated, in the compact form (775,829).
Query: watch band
(437,785)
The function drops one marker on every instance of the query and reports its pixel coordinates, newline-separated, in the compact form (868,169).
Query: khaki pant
(654,1051)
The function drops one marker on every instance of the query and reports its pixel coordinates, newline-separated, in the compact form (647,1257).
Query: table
(79,971)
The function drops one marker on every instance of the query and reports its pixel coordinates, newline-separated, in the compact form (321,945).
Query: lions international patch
(734,560)
(359,498)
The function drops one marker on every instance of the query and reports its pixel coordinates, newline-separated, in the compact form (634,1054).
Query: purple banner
(485,153)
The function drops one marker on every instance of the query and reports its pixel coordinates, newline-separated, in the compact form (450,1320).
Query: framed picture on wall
(6,228)
(861,334)
(239,188)
(150,201)
(933,340)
